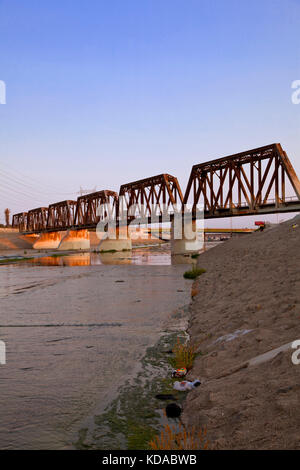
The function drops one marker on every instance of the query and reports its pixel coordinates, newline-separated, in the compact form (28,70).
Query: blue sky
(100,93)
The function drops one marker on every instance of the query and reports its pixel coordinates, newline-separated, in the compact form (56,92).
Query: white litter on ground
(232,336)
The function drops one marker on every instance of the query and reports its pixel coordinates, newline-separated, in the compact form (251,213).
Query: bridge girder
(150,197)
(20,221)
(241,184)
(95,207)
(37,219)
(61,215)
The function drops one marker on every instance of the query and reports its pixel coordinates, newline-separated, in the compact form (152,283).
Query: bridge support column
(184,237)
(118,240)
(75,240)
(48,241)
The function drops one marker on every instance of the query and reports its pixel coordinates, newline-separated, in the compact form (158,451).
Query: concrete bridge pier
(75,240)
(185,240)
(115,240)
(48,241)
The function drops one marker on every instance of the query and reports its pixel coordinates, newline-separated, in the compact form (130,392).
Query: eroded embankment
(248,303)
(12,240)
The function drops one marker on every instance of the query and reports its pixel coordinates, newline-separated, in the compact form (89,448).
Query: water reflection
(112,258)
(81,259)
(136,257)
(73,335)
(159,256)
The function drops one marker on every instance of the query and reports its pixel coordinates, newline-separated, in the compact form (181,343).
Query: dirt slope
(15,241)
(251,283)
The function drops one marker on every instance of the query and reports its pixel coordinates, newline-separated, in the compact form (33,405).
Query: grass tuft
(171,438)
(194,273)
(184,355)
(59,255)
(14,260)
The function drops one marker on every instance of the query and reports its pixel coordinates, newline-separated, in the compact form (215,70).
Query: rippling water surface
(74,331)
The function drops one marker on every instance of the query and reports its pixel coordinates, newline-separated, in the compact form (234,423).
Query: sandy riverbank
(12,240)
(251,290)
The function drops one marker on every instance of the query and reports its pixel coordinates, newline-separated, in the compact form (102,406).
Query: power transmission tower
(82,192)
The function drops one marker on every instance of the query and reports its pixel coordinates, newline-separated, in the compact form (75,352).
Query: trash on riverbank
(165,396)
(232,336)
(173,410)
(185,385)
(179,372)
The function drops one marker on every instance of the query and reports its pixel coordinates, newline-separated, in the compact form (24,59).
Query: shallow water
(74,331)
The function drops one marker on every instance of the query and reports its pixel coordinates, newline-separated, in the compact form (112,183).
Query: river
(74,332)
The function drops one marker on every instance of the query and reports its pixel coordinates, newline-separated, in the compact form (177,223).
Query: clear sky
(103,92)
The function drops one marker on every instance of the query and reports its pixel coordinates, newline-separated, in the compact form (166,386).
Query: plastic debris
(185,385)
(165,396)
(179,372)
(173,410)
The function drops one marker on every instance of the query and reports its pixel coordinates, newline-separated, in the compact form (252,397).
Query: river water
(75,329)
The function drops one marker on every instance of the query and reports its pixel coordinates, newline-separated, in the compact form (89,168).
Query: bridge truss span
(247,183)
(150,198)
(61,215)
(37,220)
(95,207)
(20,221)
(257,181)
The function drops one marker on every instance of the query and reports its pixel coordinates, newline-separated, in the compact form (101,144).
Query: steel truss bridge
(247,183)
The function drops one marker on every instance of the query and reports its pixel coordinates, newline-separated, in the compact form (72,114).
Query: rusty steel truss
(154,197)
(257,181)
(37,220)
(95,207)
(20,221)
(61,215)
(247,183)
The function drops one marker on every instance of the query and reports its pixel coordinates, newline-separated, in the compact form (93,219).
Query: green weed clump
(59,255)
(184,355)
(172,438)
(14,260)
(194,273)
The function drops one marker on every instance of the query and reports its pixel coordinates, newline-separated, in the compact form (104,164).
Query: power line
(22,193)
(6,176)
(16,190)
(36,183)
